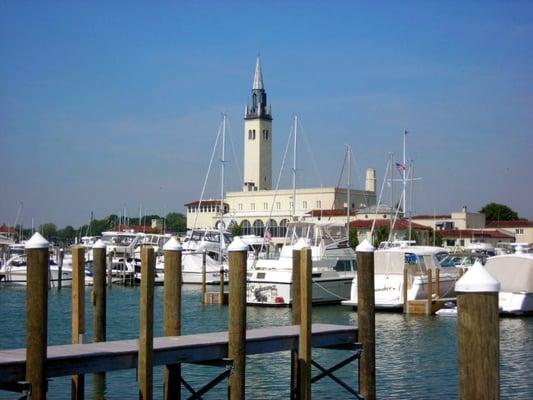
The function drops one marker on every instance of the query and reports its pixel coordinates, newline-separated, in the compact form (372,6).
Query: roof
(522,223)
(424,216)
(400,224)
(7,229)
(134,228)
(210,202)
(258,77)
(466,233)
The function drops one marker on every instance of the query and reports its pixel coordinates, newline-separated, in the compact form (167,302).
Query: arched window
(259,228)
(253,134)
(283,227)
(272,226)
(246,228)
(249,134)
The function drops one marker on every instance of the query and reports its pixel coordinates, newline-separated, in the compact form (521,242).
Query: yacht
(389,264)
(14,272)
(269,278)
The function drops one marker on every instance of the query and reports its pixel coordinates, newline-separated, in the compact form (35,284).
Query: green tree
(49,231)
(499,212)
(176,222)
(354,238)
(380,235)
(439,240)
(236,230)
(66,235)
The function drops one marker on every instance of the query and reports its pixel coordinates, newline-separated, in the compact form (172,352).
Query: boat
(515,274)
(269,279)
(14,272)
(389,265)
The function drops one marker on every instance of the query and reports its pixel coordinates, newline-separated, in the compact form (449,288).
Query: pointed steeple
(258,78)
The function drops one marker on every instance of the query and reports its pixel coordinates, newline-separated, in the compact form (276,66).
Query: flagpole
(403,172)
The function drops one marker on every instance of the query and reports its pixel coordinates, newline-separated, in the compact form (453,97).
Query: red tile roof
(478,233)
(424,216)
(522,223)
(7,229)
(401,224)
(135,228)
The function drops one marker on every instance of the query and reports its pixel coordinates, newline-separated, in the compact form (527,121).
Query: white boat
(389,264)
(121,243)
(515,274)
(269,280)
(14,272)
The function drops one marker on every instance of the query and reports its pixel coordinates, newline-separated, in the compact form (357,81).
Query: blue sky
(109,105)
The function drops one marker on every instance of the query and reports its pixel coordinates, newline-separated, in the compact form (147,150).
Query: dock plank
(63,360)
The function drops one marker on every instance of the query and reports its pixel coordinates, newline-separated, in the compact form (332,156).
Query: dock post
(304,347)
(110,270)
(78,313)
(478,334)
(296,318)
(37,314)
(172,313)
(405,288)
(59,268)
(429,289)
(204,285)
(99,309)
(366,319)
(437,283)
(237,318)
(146,321)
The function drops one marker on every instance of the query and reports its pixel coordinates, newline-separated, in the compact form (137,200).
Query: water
(416,356)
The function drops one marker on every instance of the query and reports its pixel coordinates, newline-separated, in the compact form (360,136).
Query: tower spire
(258,77)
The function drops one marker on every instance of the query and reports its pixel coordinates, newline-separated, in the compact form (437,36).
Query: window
(240,206)
(304,204)
(252,206)
(265,134)
(250,134)
(290,204)
(319,204)
(519,231)
(265,206)
(253,134)
(278,205)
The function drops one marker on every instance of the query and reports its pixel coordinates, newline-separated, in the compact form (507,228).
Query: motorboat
(269,277)
(15,270)
(515,274)
(389,264)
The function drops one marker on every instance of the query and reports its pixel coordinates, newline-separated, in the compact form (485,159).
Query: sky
(116,105)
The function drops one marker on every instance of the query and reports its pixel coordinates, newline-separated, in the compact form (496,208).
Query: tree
(498,212)
(49,231)
(66,235)
(380,235)
(354,238)
(176,222)
(439,240)
(236,230)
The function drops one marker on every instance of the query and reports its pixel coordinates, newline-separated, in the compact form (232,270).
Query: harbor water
(416,356)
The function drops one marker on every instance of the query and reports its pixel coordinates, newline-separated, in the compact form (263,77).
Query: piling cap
(37,242)
(365,247)
(300,244)
(477,280)
(238,245)
(172,245)
(99,244)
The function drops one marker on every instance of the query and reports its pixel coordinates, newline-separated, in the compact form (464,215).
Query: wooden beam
(78,313)
(146,321)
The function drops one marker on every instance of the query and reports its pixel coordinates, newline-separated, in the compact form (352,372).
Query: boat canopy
(514,272)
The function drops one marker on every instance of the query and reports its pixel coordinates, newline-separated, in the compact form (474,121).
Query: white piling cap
(99,244)
(477,280)
(300,244)
(237,245)
(37,242)
(365,247)
(172,245)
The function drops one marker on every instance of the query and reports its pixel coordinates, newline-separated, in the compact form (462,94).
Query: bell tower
(258,137)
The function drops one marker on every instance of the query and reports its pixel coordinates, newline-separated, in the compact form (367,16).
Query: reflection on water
(416,356)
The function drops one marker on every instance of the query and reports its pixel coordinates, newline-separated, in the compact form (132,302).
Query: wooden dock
(72,359)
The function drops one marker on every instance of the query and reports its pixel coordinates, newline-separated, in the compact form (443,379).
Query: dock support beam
(172,314)
(237,318)
(366,319)
(99,309)
(304,347)
(204,283)
(78,313)
(478,334)
(296,318)
(37,249)
(429,291)
(146,320)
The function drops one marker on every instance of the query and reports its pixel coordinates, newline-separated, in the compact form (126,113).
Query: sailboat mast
(391,172)
(294,168)
(348,208)
(404,177)
(222,167)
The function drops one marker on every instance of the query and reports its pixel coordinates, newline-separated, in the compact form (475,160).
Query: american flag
(401,167)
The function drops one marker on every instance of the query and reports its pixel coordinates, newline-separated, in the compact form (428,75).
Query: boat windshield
(121,240)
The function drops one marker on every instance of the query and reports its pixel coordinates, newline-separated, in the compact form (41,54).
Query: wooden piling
(306,300)
(146,320)
(366,319)
(478,335)
(204,267)
(405,290)
(78,313)
(296,317)
(37,314)
(59,268)
(437,283)
(172,314)
(99,309)
(429,289)
(222,283)
(110,271)
(237,318)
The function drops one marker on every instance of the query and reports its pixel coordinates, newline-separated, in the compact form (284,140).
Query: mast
(294,169)
(391,157)
(404,178)
(348,208)
(222,167)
